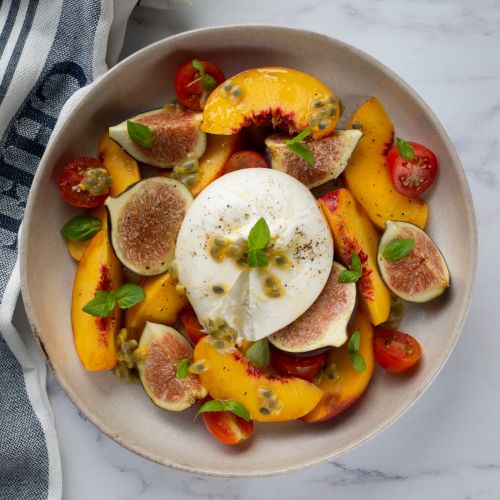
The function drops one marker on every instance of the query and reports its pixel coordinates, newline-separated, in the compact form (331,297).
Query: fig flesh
(177,137)
(144,222)
(330,154)
(325,322)
(422,274)
(160,351)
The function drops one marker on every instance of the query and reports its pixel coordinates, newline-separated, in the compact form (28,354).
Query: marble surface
(448,445)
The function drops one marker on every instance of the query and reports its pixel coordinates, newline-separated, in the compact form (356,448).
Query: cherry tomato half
(192,327)
(189,87)
(227,427)
(305,367)
(412,177)
(245,159)
(396,351)
(84,182)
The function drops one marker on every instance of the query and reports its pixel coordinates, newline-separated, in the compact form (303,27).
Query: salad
(237,250)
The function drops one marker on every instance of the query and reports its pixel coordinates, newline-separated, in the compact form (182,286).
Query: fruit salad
(240,252)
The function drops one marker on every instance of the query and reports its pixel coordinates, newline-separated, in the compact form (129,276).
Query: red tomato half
(192,327)
(74,174)
(412,177)
(245,159)
(396,351)
(305,367)
(227,427)
(189,87)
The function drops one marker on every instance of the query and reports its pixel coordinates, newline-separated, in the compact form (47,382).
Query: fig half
(330,154)
(325,322)
(419,276)
(160,351)
(177,137)
(144,222)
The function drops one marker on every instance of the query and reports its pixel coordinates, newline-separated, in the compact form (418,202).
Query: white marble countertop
(448,445)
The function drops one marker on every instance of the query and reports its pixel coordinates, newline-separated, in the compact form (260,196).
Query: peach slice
(281,97)
(353,231)
(341,383)
(367,176)
(94,337)
(122,168)
(161,305)
(268,398)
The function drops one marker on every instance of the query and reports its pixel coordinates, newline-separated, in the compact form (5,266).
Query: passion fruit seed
(233,251)
(333,112)
(121,337)
(221,241)
(139,354)
(314,120)
(269,403)
(190,180)
(324,123)
(281,261)
(265,393)
(216,254)
(236,94)
(96,181)
(264,410)
(199,366)
(227,86)
(323,113)
(331,372)
(129,347)
(219,289)
(275,404)
(318,103)
(180,290)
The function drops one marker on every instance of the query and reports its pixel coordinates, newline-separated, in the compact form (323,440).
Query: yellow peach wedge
(268,398)
(94,336)
(366,174)
(161,305)
(281,97)
(122,168)
(353,231)
(341,383)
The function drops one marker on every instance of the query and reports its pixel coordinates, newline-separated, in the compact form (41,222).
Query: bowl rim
(459,321)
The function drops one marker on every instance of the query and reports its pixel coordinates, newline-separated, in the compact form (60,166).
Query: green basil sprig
(81,228)
(357,360)
(258,353)
(297,146)
(104,302)
(141,134)
(225,405)
(352,275)
(258,238)
(405,150)
(397,249)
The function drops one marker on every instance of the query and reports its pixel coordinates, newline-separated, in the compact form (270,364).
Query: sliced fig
(144,222)
(422,274)
(330,154)
(177,137)
(160,351)
(325,322)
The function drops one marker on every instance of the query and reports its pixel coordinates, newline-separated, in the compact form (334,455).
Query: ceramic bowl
(123,411)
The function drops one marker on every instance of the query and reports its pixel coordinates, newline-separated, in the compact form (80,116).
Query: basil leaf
(397,249)
(302,150)
(259,353)
(346,276)
(209,82)
(300,137)
(182,368)
(259,235)
(129,295)
(405,150)
(354,274)
(225,405)
(198,65)
(257,258)
(141,134)
(354,341)
(103,304)
(358,362)
(81,228)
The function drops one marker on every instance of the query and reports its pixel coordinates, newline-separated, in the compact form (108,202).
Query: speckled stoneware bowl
(124,412)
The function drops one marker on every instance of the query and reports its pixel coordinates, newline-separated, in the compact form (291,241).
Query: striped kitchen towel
(49,50)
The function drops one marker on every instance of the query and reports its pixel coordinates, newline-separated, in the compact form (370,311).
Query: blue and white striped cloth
(49,49)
